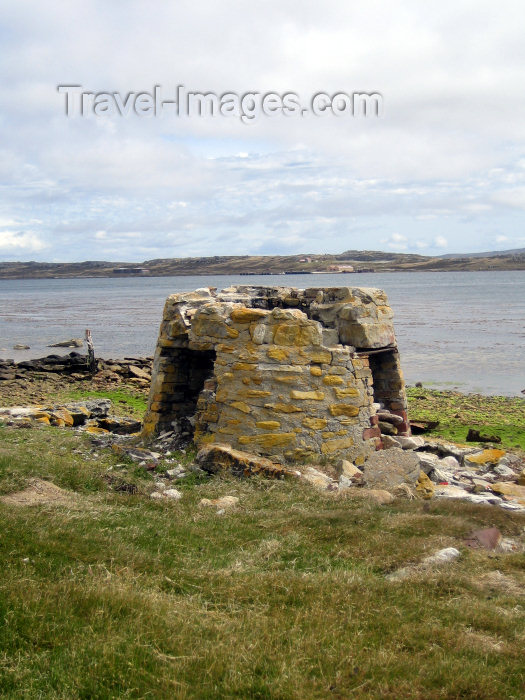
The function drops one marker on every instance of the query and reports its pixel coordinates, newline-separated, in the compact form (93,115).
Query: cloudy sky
(441,171)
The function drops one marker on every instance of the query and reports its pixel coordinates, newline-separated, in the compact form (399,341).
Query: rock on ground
(387,469)
(214,459)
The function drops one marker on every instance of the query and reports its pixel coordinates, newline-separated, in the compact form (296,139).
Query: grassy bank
(501,416)
(112,595)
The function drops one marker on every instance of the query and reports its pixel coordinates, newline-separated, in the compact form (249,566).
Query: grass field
(113,595)
(502,416)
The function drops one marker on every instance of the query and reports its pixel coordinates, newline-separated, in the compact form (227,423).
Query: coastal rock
(139,373)
(387,469)
(424,487)
(410,443)
(349,470)
(510,491)
(214,459)
(317,479)
(119,425)
(483,458)
(72,343)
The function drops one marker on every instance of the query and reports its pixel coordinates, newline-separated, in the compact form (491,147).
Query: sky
(442,170)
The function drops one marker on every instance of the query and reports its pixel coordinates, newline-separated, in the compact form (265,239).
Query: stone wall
(291,374)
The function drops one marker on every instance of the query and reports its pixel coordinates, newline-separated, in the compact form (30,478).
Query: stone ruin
(294,375)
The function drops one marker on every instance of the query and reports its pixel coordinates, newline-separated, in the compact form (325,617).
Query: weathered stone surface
(424,487)
(214,459)
(251,365)
(513,491)
(484,457)
(72,343)
(389,468)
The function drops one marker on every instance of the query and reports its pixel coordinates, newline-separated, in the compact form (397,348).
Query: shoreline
(127,381)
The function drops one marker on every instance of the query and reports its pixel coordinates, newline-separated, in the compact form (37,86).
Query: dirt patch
(41,492)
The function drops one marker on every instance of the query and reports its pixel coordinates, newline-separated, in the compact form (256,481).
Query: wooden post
(92,363)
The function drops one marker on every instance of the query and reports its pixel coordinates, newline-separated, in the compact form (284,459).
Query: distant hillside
(350,260)
(490,254)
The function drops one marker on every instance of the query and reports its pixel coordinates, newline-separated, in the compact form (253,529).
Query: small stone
(388,468)
(424,487)
(387,428)
(172,494)
(428,461)
(449,462)
(221,503)
(488,538)
(502,470)
(349,470)
(410,443)
(389,442)
(484,457)
(317,478)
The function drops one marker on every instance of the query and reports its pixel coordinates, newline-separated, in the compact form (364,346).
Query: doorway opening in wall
(385,374)
(197,367)
(388,390)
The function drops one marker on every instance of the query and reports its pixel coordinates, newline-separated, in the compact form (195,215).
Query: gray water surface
(463,330)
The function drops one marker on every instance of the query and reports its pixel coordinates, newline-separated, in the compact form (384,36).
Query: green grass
(118,596)
(501,416)
(123,401)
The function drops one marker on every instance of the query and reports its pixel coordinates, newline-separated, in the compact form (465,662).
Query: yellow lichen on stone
(316,371)
(255,393)
(343,409)
(267,439)
(246,315)
(332,380)
(424,487)
(244,367)
(96,431)
(241,406)
(314,423)
(491,456)
(279,354)
(285,379)
(297,334)
(344,393)
(268,424)
(321,357)
(283,408)
(307,395)
(328,434)
(338,444)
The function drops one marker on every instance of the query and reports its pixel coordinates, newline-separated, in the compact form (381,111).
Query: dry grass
(283,597)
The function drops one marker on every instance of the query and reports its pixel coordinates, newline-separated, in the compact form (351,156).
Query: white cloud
(449,149)
(12,241)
